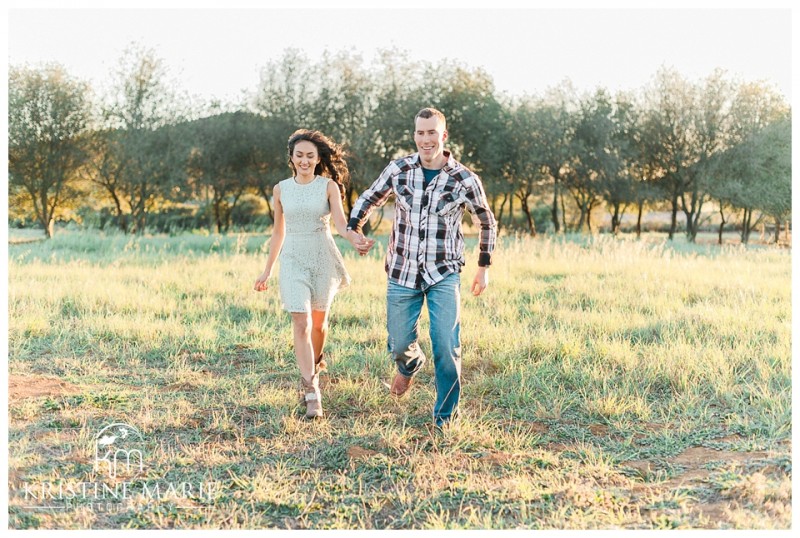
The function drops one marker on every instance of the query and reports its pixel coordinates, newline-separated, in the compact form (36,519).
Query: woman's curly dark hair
(331,157)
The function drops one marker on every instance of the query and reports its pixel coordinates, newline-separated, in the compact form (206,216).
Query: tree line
(140,156)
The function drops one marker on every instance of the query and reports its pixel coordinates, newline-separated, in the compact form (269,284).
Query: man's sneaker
(400,384)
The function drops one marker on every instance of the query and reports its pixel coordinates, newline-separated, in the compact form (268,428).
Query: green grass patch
(591,366)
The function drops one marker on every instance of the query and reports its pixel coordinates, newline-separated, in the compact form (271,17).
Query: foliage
(149,148)
(48,112)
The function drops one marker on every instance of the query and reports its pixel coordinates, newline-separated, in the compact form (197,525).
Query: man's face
(430,135)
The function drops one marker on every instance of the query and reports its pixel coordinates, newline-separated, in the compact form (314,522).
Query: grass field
(608,383)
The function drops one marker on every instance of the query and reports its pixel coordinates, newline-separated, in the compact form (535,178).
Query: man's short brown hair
(430,112)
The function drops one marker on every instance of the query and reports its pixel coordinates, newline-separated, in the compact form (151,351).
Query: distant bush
(250,210)
(174,219)
(542,218)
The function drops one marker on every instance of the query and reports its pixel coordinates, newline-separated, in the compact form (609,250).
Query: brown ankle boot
(312,397)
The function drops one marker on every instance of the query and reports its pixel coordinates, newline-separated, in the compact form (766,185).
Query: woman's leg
(301,328)
(319,331)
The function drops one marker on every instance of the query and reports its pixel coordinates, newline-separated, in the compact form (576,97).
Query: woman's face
(305,158)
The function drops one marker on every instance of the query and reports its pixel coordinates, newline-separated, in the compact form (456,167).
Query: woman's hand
(360,242)
(261,282)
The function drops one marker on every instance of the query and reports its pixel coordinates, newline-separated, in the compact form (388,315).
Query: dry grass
(608,383)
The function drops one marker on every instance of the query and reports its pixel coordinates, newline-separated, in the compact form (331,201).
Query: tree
(524,170)
(595,163)
(104,167)
(755,176)
(618,182)
(668,134)
(711,118)
(751,173)
(343,108)
(776,167)
(48,113)
(554,116)
(476,120)
(225,161)
(149,157)
(285,92)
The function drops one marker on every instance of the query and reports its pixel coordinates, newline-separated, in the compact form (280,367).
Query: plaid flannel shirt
(426,243)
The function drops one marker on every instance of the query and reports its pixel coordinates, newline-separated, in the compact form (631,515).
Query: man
(426,253)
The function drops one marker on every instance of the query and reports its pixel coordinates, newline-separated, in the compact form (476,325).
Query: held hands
(481,281)
(261,282)
(361,243)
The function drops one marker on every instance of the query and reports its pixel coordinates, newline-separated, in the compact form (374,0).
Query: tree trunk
(210,213)
(589,208)
(674,223)
(122,222)
(141,209)
(721,224)
(582,218)
(531,225)
(218,215)
(746,223)
(691,229)
(554,210)
(615,220)
(141,222)
(639,220)
(271,212)
(511,212)
(499,215)
(563,212)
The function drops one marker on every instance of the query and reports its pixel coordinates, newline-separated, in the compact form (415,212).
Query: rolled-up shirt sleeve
(375,196)
(478,205)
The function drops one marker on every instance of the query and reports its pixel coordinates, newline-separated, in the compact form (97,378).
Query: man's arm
(357,240)
(478,206)
(375,196)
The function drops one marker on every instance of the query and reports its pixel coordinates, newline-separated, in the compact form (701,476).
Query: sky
(218,53)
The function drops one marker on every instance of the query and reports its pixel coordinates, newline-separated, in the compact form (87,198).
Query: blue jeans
(403,308)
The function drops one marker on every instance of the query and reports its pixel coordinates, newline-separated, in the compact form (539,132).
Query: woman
(312,269)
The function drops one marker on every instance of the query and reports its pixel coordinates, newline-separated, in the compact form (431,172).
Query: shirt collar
(449,166)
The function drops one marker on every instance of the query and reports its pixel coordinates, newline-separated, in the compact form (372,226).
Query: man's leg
(444,307)
(403,307)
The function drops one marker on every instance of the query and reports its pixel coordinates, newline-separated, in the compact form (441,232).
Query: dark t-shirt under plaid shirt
(426,243)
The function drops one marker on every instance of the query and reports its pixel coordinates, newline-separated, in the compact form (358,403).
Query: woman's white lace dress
(311,267)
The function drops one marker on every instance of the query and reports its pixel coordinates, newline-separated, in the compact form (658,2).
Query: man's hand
(361,243)
(481,281)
